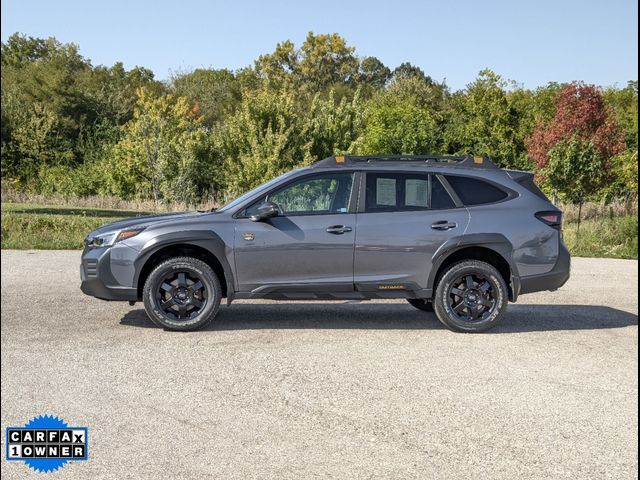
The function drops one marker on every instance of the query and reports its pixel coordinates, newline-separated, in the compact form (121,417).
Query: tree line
(74,129)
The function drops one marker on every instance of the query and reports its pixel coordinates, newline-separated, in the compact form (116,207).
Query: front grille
(91,268)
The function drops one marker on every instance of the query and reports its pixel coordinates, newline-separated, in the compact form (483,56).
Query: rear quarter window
(473,191)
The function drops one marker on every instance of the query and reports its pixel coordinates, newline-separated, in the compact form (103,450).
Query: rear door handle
(338,229)
(443,225)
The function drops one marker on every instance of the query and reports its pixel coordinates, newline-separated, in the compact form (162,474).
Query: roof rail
(450,160)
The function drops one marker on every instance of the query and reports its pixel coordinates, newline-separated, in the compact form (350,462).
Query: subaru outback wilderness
(454,235)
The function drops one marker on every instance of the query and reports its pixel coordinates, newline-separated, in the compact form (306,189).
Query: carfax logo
(46,443)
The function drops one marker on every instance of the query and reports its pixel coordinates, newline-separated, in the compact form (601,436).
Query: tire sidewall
(446,314)
(198,268)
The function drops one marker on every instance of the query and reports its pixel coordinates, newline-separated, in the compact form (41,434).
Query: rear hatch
(552,218)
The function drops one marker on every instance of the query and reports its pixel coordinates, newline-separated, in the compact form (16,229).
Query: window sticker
(416,193)
(386,191)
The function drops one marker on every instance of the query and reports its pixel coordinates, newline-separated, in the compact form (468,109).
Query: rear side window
(473,191)
(392,192)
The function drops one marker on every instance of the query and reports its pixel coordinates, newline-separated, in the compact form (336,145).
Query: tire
(182,294)
(471,296)
(421,304)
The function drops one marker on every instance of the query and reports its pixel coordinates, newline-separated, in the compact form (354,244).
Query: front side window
(389,192)
(264,187)
(315,195)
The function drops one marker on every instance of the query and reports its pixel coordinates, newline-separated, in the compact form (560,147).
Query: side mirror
(265,210)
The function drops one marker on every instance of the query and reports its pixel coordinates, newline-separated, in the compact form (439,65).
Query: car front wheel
(182,293)
(471,296)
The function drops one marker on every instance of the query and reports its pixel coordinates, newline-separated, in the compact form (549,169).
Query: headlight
(109,238)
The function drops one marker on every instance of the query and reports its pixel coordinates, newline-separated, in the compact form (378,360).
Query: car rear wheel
(421,304)
(471,296)
(182,293)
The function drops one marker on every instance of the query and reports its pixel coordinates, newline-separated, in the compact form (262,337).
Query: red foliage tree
(581,111)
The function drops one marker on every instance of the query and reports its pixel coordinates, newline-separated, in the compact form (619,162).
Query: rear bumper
(97,280)
(552,280)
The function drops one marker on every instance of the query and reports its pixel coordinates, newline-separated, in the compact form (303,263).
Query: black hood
(144,221)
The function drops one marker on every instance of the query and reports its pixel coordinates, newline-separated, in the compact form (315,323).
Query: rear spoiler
(526,180)
(519,175)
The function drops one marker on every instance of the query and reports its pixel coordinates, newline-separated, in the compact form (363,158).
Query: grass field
(28,226)
(53,227)
(607,237)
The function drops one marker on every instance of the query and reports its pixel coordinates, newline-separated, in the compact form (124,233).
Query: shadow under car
(519,318)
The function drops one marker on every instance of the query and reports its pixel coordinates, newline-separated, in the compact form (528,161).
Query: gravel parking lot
(327,390)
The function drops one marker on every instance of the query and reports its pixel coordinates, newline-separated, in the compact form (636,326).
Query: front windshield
(255,191)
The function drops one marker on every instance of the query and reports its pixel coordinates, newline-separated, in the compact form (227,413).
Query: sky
(531,42)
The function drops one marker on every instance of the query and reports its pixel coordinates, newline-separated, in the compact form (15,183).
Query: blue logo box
(46,443)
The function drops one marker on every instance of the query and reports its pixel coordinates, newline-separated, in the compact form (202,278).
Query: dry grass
(594,210)
(606,230)
(104,202)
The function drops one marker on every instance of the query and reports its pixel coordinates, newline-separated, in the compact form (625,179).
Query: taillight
(553,219)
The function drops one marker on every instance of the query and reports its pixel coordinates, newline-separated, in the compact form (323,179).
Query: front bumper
(552,280)
(98,280)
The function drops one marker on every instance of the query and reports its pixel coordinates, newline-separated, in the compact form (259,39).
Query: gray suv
(454,235)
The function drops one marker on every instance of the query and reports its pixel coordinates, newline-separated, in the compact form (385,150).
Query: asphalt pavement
(327,390)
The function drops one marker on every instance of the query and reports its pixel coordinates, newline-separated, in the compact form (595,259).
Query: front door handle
(338,229)
(443,225)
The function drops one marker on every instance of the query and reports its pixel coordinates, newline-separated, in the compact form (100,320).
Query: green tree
(624,177)
(160,153)
(372,72)
(110,92)
(261,140)
(19,50)
(279,67)
(421,92)
(484,122)
(326,60)
(332,127)
(40,95)
(323,61)
(214,93)
(575,170)
(407,118)
(407,70)
(32,140)
(398,128)
(58,110)
(624,102)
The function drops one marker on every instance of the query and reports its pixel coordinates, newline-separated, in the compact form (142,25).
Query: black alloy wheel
(471,296)
(182,293)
